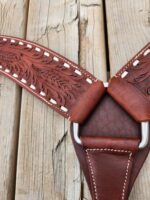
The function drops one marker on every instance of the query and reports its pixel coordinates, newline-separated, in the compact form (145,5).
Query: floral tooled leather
(130,87)
(57,81)
(139,76)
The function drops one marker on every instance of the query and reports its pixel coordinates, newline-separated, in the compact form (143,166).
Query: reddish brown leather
(110,131)
(110,143)
(61,84)
(110,126)
(132,92)
(109,157)
(110,163)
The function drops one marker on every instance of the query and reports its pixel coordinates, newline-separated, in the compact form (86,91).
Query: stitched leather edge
(63,110)
(92,171)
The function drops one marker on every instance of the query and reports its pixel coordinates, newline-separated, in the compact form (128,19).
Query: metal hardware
(144,134)
(75,127)
(106,84)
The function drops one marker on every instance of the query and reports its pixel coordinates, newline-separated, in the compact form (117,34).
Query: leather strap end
(110,163)
(87,102)
(132,100)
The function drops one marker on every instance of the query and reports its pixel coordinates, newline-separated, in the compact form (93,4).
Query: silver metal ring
(144,134)
(75,127)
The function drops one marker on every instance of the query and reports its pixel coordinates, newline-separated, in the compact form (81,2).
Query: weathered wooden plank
(12,22)
(92,38)
(92,46)
(47,165)
(128,31)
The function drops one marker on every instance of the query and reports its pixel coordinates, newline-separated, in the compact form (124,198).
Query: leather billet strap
(61,84)
(109,155)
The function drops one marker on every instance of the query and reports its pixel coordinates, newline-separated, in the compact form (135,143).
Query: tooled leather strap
(130,87)
(110,156)
(61,84)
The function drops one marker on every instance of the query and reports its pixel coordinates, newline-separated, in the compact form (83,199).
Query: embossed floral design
(48,75)
(139,75)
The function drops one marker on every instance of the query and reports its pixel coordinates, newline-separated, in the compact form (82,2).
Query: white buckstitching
(30,45)
(125,67)
(92,171)
(55,54)
(35,93)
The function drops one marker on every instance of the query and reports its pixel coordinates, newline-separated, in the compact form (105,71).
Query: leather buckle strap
(142,144)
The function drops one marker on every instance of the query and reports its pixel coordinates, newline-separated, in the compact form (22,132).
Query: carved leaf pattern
(139,75)
(48,75)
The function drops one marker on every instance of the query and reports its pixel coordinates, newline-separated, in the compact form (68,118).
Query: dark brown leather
(130,87)
(110,163)
(61,84)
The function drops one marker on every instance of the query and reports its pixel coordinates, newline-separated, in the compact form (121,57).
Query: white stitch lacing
(56,57)
(135,60)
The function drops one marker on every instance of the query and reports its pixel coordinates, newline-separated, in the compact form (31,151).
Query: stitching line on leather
(54,54)
(41,47)
(92,174)
(126,176)
(92,171)
(124,68)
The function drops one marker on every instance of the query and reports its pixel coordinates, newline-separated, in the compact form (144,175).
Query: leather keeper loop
(87,102)
(125,144)
(132,100)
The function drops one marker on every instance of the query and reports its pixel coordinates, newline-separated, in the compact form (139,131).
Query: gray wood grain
(47,165)
(12,22)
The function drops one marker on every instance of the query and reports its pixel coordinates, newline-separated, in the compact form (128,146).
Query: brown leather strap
(110,162)
(61,84)
(130,87)
(110,130)
(109,154)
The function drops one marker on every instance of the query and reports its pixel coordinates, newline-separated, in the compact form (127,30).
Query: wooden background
(37,160)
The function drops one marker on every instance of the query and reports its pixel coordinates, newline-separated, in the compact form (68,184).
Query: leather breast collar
(110,121)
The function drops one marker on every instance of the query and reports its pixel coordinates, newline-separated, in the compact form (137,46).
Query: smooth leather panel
(110,166)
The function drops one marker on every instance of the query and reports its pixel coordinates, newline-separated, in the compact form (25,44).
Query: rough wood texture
(47,165)
(12,22)
(128,31)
